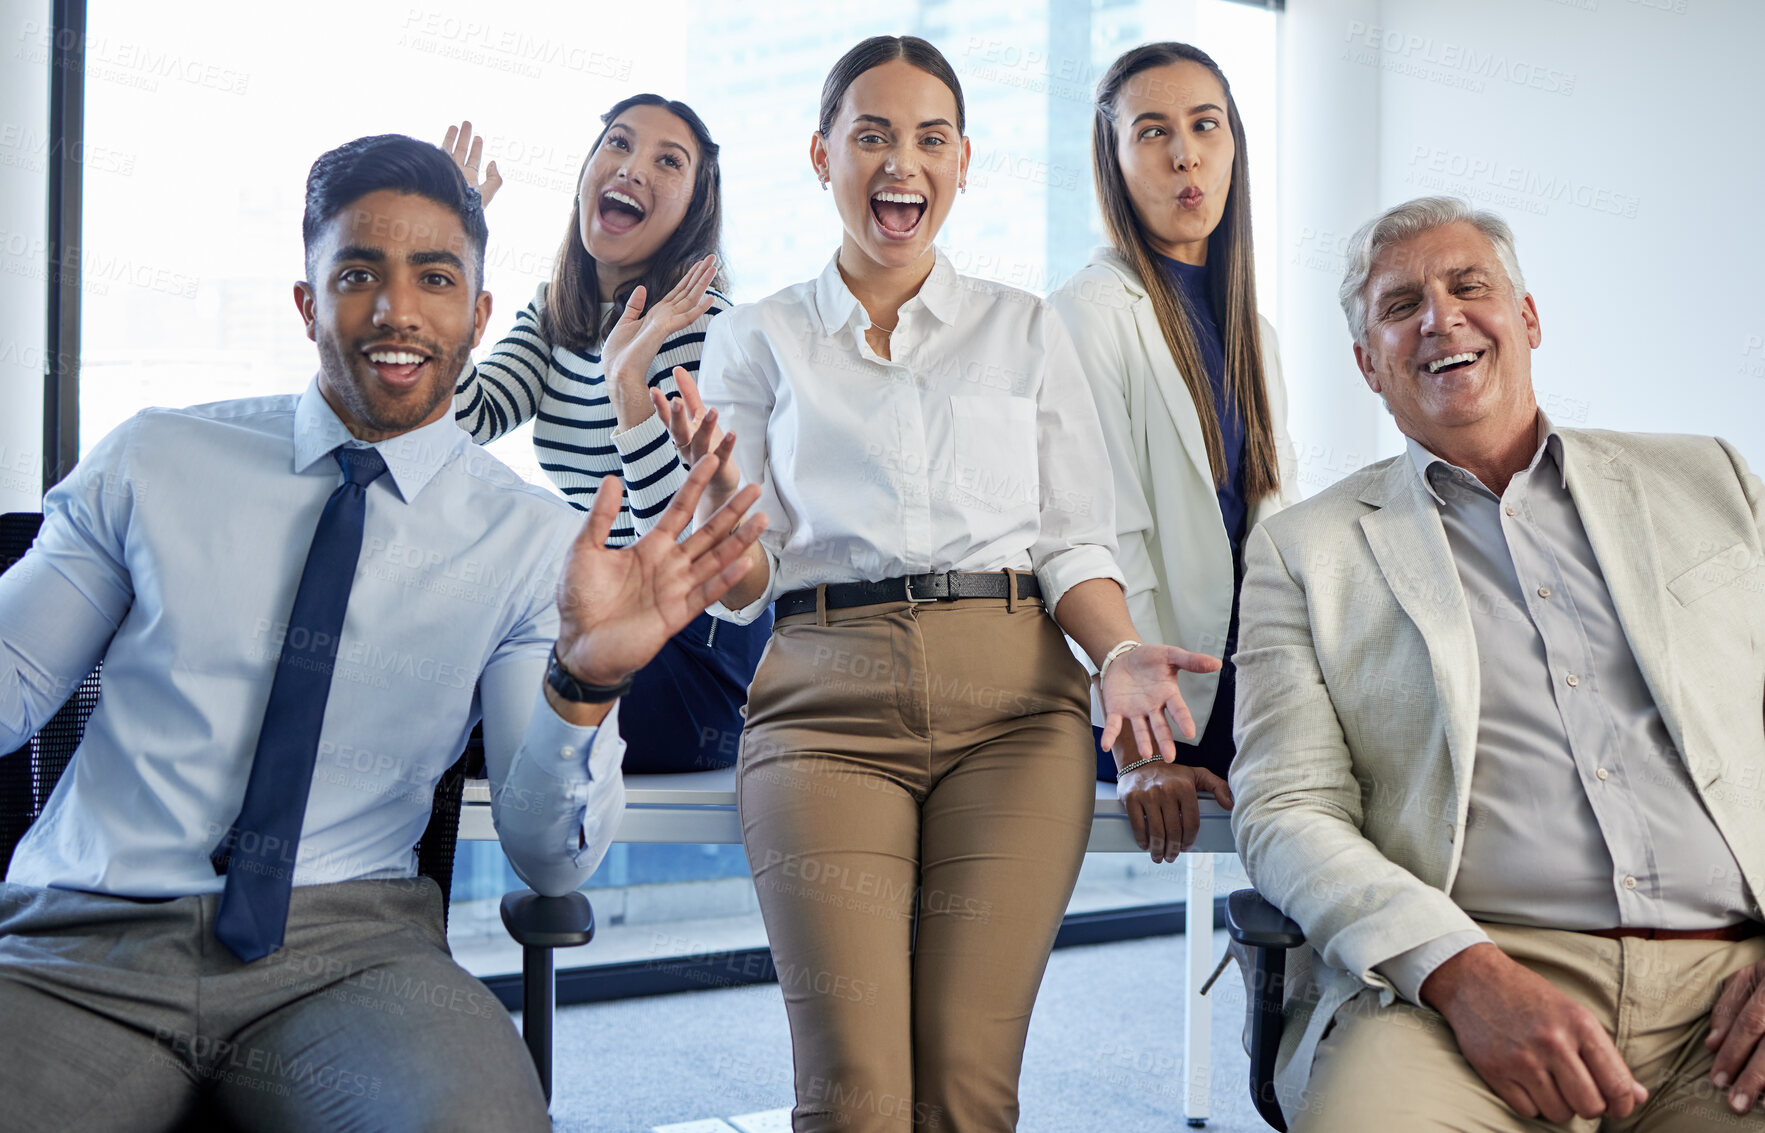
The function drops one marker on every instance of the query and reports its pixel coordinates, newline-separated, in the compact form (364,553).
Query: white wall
(24,189)
(1624,140)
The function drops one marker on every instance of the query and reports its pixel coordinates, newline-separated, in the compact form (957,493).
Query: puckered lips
(1191,197)
(897,212)
(619,212)
(1450,362)
(399,365)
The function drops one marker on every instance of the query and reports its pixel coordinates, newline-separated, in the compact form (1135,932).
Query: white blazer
(1172,544)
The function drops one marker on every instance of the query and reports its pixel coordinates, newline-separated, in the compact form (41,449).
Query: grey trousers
(119,1014)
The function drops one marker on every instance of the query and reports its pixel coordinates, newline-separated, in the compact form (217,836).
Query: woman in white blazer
(1188,388)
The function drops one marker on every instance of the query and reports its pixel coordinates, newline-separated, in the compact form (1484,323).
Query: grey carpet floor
(1105,1051)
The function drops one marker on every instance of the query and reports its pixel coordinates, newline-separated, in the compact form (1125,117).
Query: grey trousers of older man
(126,1014)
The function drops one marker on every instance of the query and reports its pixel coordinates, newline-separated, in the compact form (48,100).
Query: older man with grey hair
(1501,737)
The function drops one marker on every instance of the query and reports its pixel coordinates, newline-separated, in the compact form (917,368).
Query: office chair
(1267,936)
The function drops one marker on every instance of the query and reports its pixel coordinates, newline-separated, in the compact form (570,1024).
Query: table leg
(1198,1018)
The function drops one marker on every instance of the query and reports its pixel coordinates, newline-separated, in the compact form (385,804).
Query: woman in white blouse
(633,291)
(1188,388)
(917,774)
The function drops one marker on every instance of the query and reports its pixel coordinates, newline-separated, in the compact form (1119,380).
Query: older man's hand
(1737,1028)
(1540,1051)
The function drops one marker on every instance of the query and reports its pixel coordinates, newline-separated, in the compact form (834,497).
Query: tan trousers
(1398,1067)
(901,762)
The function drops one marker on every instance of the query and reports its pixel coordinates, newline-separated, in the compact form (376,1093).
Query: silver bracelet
(1137,764)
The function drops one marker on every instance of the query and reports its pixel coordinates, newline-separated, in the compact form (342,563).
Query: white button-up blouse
(975,447)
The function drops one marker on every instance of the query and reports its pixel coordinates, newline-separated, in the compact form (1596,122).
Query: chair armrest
(548,922)
(1268,935)
(1254,923)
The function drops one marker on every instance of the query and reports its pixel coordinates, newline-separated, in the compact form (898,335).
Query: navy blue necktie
(258,853)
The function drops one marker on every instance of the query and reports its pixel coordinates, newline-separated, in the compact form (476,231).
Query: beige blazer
(1171,542)
(1358,693)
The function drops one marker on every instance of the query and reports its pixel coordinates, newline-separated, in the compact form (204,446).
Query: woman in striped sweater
(583,357)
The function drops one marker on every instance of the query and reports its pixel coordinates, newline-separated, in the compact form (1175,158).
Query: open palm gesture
(638,336)
(1141,687)
(617,606)
(467,152)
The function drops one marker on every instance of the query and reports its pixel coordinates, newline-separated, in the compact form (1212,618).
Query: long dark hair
(876,51)
(1233,288)
(572,316)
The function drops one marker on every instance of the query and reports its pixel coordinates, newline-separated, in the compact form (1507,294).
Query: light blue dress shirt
(1582,812)
(173,552)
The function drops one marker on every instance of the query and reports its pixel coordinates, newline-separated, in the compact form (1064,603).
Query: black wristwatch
(579,692)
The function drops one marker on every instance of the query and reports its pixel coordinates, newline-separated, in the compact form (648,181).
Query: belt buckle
(907,584)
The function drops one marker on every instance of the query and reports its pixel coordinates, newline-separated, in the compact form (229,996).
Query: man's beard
(352,379)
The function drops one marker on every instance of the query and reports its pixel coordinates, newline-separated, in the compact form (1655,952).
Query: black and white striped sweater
(525,376)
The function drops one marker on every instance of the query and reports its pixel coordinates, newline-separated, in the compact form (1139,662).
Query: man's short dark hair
(400,163)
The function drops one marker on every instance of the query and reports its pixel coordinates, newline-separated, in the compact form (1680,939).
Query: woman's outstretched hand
(1140,687)
(467,151)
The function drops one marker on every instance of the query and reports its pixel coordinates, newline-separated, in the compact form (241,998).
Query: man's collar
(1548,439)
(412,459)
(837,307)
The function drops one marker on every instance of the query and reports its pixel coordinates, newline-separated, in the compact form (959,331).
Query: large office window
(207,125)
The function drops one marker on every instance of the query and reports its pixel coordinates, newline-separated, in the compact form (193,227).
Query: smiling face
(635,191)
(1175,149)
(394,312)
(1449,343)
(894,159)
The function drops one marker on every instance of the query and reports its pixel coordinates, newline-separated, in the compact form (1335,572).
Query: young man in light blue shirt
(303,605)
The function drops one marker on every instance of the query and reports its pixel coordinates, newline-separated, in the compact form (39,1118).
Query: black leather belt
(948,586)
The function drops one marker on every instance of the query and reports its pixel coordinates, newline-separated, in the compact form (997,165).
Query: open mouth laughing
(897,212)
(619,212)
(1452,362)
(398,364)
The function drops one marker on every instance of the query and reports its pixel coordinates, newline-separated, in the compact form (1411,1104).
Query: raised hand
(1141,687)
(631,347)
(618,606)
(467,151)
(1539,1050)
(697,435)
